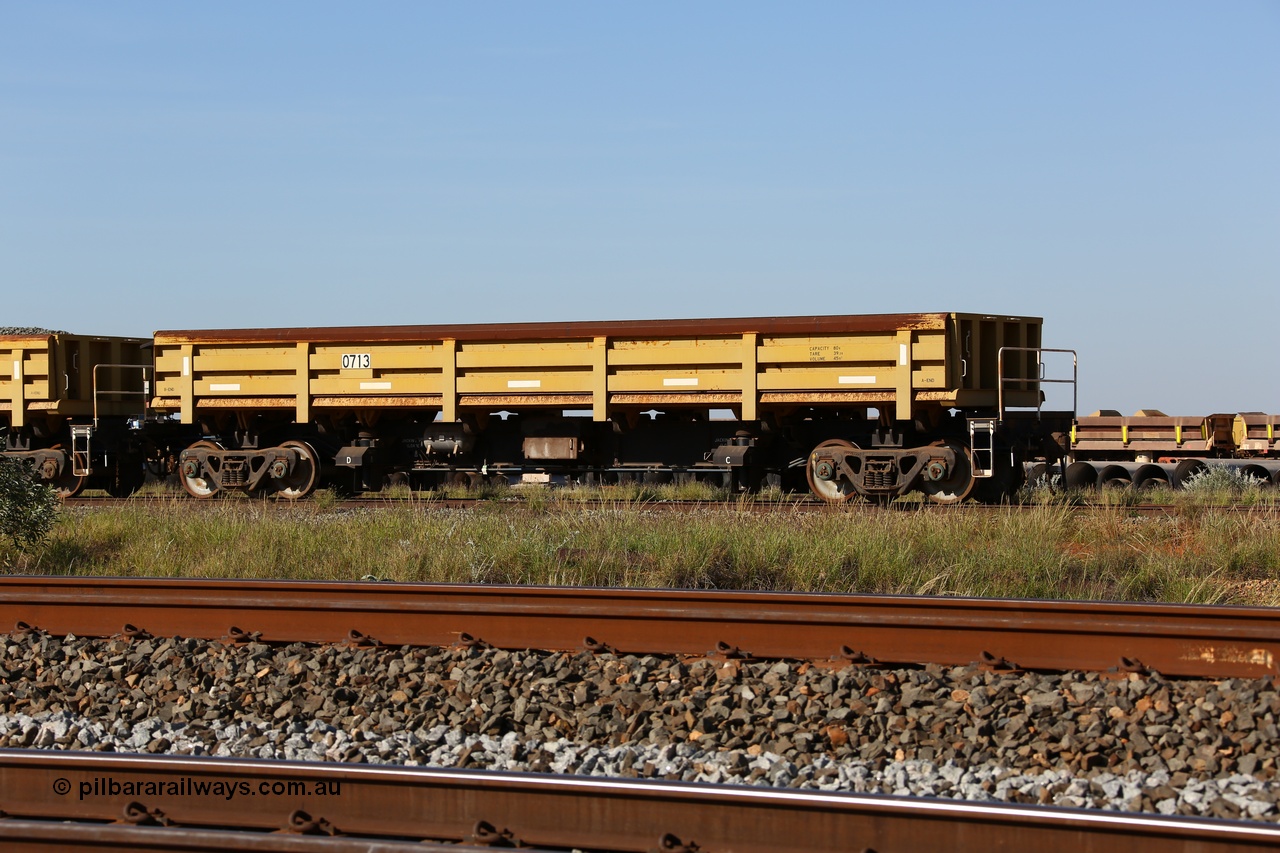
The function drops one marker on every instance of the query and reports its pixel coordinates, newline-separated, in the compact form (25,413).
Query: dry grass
(1048,551)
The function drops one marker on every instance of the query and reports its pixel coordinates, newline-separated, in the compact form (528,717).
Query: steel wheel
(306,473)
(200,486)
(831,491)
(67,485)
(959,480)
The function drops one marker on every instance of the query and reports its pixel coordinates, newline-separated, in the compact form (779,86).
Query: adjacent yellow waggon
(59,391)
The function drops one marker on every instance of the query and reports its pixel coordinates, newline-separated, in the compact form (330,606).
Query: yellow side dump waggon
(877,404)
(906,362)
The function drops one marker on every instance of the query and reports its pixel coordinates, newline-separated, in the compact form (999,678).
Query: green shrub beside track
(28,508)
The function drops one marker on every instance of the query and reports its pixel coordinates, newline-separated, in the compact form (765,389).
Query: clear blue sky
(1112,167)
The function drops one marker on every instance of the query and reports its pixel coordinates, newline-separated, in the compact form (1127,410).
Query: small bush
(1219,479)
(28,508)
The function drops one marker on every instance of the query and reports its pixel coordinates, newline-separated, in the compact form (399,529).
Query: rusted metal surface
(675,399)
(821,397)
(551,331)
(481,808)
(1182,640)
(524,400)
(46,836)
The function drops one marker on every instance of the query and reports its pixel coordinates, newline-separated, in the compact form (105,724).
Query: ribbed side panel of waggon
(747,365)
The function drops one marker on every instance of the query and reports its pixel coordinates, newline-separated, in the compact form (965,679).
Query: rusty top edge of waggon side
(44,339)
(580,329)
(28,340)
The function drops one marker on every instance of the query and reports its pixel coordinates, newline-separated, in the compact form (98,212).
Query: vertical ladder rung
(81,436)
(982,442)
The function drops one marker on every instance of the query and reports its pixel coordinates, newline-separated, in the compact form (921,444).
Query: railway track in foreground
(252,685)
(1174,640)
(174,803)
(727,643)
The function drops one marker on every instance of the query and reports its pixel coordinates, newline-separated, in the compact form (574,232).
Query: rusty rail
(46,836)
(561,812)
(1177,640)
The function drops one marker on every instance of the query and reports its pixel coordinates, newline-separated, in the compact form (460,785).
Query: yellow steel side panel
(168,381)
(221,350)
(927,346)
(902,376)
(471,356)
(525,382)
(600,379)
(381,356)
(168,360)
(853,378)
(716,352)
(750,377)
(828,349)
(901,364)
(215,371)
(244,386)
(302,396)
(246,360)
(35,363)
(449,382)
(14,388)
(394,382)
(676,380)
(186,385)
(28,369)
(930,377)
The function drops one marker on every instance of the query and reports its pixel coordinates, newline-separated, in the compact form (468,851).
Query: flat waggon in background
(1150,448)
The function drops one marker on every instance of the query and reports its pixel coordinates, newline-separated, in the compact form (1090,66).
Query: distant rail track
(1183,640)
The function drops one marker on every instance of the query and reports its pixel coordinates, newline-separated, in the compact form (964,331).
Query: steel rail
(1177,640)
(544,810)
(44,836)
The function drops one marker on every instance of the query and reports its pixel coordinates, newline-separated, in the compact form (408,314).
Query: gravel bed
(1138,743)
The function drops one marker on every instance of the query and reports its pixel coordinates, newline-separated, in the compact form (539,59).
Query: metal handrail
(1075,372)
(144,393)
